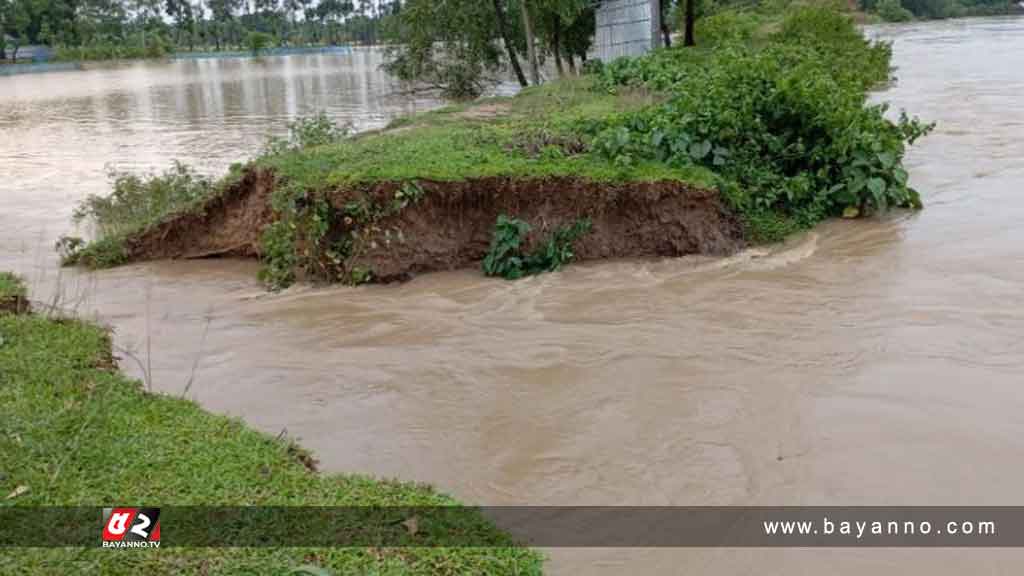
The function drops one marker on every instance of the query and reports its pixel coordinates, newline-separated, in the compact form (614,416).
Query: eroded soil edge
(451,225)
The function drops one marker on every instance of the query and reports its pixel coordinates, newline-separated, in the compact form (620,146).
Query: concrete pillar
(656,24)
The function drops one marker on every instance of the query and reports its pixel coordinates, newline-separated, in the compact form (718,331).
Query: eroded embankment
(228,224)
(449,225)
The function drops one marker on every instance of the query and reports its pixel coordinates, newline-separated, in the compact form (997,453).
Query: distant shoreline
(66,66)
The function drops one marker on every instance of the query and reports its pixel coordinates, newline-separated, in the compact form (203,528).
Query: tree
(688,39)
(666,16)
(531,42)
(554,18)
(222,12)
(5,5)
(258,41)
(499,15)
(18,17)
(181,13)
(447,45)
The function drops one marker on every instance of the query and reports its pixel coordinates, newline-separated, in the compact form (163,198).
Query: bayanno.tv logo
(131,528)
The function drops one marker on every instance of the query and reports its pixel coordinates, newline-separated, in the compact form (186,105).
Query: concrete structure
(27,52)
(627,28)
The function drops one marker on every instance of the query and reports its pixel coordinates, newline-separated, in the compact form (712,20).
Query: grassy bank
(771,110)
(75,432)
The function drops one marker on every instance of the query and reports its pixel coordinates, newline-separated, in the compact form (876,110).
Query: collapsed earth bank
(390,231)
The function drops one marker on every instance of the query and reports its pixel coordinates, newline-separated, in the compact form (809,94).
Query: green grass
(538,133)
(11,286)
(75,432)
(13,294)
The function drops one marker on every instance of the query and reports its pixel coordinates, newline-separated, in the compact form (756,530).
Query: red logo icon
(131,528)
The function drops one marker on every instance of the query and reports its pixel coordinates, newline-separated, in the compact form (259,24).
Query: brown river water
(866,363)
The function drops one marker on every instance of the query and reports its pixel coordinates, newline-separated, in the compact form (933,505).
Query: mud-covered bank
(449,225)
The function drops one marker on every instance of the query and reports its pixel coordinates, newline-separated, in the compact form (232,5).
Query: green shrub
(786,125)
(307,132)
(727,27)
(138,202)
(934,9)
(507,259)
(106,252)
(13,294)
(892,11)
(258,42)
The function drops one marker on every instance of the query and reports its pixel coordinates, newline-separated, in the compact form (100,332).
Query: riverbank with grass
(762,131)
(75,432)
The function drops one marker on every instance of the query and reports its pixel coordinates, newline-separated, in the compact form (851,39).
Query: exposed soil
(14,305)
(450,227)
(228,225)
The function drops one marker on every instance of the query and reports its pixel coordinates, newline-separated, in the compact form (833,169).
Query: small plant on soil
(507,259)
(13,294)
(106,252)
(307,132)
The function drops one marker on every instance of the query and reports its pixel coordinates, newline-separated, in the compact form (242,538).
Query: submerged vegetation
(65,410)
(507,257)
(773,114)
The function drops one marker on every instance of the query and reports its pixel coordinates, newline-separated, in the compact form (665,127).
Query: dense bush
(892,11)
(934,8)
(786,125)
(726,27)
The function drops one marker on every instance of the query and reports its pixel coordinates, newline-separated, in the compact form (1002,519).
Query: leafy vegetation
(13,293)
(893,11)
(257,41)
(784,123)
(775,114)
(112,29)
(507,259)
(140,201)
(64,411)
(136,203)
(537,134)
(457,46)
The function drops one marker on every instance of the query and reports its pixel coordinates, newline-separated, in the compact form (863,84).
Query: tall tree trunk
(531,48)
(556,43)
(688,39)
(499,13)
(665,8)
(572,63)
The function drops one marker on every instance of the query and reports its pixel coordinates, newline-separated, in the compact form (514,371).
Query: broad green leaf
(876,186)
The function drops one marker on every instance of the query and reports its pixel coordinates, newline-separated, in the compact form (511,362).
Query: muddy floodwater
(866,363)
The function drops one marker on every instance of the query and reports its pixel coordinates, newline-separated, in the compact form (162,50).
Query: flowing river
(868,362)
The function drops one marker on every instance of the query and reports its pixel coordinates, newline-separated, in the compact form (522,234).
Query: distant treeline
(905,10)
(104,29)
